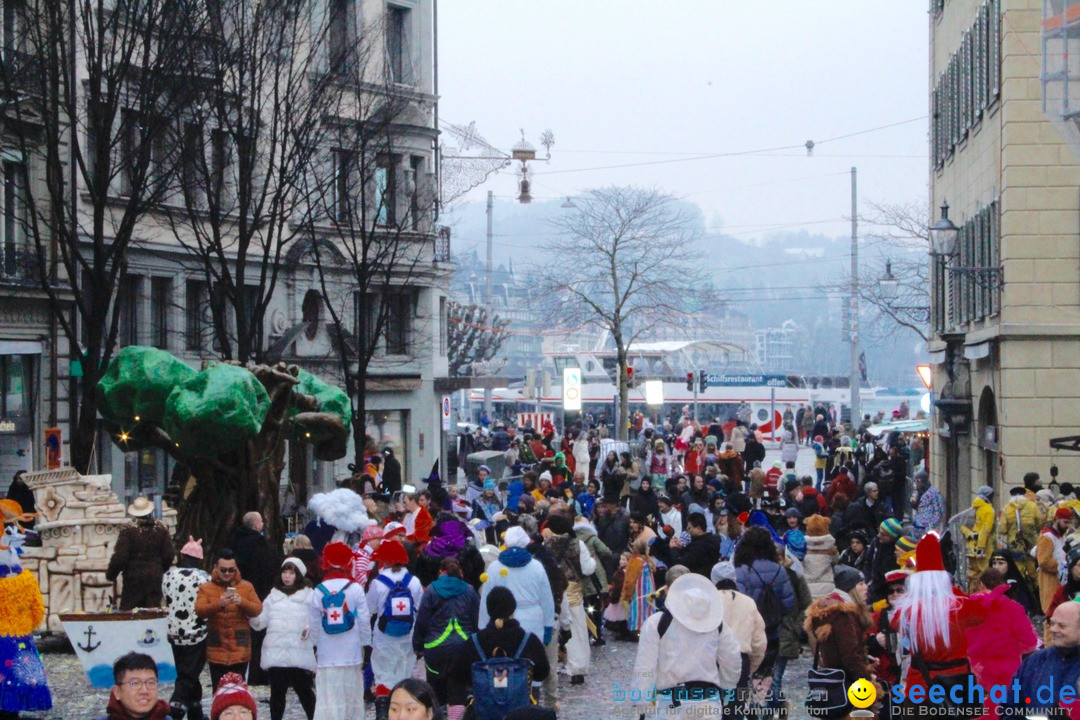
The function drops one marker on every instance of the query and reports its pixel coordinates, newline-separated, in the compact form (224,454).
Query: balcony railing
(442,244)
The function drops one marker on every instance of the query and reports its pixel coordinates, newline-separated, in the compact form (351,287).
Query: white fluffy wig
(341,508)
(925,609)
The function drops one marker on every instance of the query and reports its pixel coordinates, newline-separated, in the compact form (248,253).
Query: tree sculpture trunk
(223,489)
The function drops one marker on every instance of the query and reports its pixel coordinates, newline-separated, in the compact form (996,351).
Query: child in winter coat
(287,653)
(820,556)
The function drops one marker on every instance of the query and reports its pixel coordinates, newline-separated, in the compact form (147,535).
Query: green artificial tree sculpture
(227,425)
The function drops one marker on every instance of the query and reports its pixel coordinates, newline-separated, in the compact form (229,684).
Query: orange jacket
(229,641)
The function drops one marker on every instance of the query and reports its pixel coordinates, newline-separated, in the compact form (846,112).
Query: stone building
(1005,302)
(164,298)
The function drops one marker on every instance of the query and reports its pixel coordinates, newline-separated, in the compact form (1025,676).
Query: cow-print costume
(180,587)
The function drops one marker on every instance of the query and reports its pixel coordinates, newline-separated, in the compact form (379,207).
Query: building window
(968,85)
(195,303)
(343,171)
(416,169)
(971,297)
(251,299)
(160,298)
(15,381)
(191,163)
(130,290)
(16,250)
(443,342)
(399,310)
(341,36)
(130,132)
(220,193)
(365,316)
(397,45)
(385,199)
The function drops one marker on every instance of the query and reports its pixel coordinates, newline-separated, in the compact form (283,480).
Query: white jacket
(284,618)
(683,655)
(341,649)
(530,587)
(742,616)
(376,599)
(818,564)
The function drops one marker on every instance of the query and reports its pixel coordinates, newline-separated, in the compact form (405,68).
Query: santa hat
(389,554)
(336,556)
(1063,513)
(392,529)
(928,554)
(232,691)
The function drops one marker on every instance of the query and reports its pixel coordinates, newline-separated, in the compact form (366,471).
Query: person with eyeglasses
(135,690)
(228,602)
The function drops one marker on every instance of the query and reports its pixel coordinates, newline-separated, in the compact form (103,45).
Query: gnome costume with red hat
(933,615)
(339,677)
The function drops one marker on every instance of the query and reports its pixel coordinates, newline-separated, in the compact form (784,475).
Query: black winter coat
(700,554)
(505,639)
(448,607)
(257,561)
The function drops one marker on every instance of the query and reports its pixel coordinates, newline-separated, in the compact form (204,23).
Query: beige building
(1006,303)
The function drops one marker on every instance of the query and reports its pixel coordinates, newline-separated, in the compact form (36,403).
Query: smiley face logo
(862,693)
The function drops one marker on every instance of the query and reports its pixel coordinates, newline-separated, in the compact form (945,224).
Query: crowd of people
(470,601)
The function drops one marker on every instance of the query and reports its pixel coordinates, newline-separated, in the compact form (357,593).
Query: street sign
(746,380)
(571,389)
(446,413)
(654,392)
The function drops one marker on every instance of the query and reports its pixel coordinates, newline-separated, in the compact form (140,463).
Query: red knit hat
(928,554)
(336,555)
(232,691)
(390,553)
(1063,513)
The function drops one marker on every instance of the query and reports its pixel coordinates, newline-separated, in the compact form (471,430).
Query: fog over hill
(770,277)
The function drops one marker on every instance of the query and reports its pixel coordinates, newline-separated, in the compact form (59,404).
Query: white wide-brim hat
(140,507)
(694,602)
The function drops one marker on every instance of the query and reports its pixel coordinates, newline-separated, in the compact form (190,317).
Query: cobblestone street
(612,664)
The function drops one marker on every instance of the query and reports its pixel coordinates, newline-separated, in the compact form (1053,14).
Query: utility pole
(697,384)
(853,309)
(487,289)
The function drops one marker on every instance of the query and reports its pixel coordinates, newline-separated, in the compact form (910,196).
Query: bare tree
(471,337)
(264,86)
(90,88)
(371,220)
(627,266)
(898,245)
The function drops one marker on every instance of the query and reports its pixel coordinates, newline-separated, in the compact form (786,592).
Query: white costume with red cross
(392,658)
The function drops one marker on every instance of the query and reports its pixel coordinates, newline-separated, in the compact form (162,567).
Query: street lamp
(889,287)
(888,284)
(943,234)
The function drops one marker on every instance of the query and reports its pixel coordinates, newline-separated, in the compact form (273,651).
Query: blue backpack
(336,616)
(399,611)
(500,684)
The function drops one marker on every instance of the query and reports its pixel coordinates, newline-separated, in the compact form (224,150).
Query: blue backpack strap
(480,650)
(521,647)
(385,581)
(322,588)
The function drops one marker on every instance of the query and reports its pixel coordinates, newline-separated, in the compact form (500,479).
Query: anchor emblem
(90,645)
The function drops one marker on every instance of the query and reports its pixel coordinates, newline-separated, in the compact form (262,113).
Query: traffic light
(690,382)
(629,376)
(703,381)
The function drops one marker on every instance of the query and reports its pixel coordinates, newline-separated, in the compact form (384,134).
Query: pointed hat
(928,554)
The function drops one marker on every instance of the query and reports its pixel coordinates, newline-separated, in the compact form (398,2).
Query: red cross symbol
(401,606)
(335,616)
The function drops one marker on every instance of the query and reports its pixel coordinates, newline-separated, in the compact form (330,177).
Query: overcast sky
(631,82)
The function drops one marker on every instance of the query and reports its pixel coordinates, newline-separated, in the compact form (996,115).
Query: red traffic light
(690,381)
